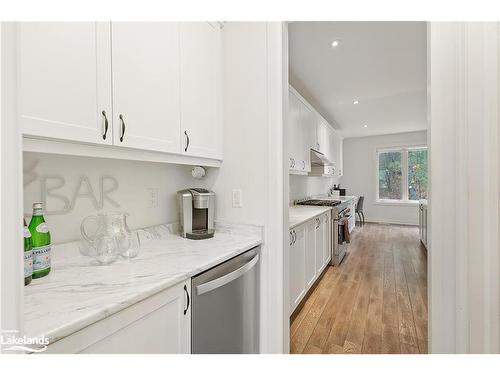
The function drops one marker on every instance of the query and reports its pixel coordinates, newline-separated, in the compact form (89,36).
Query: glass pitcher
(111,238)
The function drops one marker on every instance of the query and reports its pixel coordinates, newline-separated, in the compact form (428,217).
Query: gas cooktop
(319,202)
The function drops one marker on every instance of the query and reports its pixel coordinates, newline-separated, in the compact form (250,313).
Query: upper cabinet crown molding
(147,86)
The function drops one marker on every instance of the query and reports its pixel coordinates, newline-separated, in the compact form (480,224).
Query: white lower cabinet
(297,265)
(319,245)
(309,255)
(327,238)
(160,324)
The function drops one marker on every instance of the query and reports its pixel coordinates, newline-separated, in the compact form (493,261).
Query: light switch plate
(152,197)
(237,198)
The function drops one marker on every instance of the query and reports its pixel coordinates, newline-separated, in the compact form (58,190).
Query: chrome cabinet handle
(105,124)
(294,236)
(303,164)
(123,127)
(188,300)
(187,140)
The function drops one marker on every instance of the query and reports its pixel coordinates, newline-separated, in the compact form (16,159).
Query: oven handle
(221,281)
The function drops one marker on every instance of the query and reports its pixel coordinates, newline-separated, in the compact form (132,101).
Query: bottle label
(27,233)
(42,228)
(28,263)
(41,258)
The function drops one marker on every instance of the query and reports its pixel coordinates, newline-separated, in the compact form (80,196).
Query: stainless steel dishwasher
(225,309)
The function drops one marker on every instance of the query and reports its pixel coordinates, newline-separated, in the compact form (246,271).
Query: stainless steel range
(340,210)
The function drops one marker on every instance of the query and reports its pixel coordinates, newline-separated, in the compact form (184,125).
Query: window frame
(404,201)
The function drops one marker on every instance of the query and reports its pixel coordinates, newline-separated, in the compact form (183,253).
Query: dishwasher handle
(221,281)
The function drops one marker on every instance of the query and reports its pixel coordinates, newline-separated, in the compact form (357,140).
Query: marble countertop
(301,214)
(78,293)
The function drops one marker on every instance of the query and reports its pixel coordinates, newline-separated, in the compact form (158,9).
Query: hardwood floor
(374,302)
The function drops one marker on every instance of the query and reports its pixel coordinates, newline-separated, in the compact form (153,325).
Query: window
(401,174)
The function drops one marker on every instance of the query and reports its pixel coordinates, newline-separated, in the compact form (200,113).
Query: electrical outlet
(152,197)
(237,198)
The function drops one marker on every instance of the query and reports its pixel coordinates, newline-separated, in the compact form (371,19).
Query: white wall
(245,123)
(253,154)
(360,175)
(305,186)
(132,195)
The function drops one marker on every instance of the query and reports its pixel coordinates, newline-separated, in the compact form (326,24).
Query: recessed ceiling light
(365,126)
(335,43)
(355,102)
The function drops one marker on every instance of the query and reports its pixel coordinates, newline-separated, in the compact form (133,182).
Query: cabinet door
(297,266)
(64,71)
(322,137)
(146,85)
(294,133)
(320,244)
(201,89)
(311,254)
(339,145)
(327,238)
(333,149)
(307,136)
(164,329)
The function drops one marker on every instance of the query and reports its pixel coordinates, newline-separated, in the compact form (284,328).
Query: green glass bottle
(28,255)
(40,239)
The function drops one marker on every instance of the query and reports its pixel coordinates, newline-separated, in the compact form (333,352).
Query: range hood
(320,165)
(317,158)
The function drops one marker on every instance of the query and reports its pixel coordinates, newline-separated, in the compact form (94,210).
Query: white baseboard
(389,221)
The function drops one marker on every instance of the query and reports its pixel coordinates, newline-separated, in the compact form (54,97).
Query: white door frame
(463,138)
(11,188)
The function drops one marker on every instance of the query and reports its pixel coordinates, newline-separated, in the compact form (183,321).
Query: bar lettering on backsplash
(87,193)
(48,192)
(51,189)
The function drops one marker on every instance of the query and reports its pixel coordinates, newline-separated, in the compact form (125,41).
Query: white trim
(396,202)
(389,221)
(286,195)
(60,147)
(273,327)
(11,264)
(464,197)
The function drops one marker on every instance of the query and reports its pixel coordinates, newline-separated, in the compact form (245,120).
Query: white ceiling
(381,64)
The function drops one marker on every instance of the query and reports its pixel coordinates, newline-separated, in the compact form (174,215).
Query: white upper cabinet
(146,85)
(323,137)
(308,130)
(64,76)
(301,134)
(154,86)
(201,89)
(307,135)
(337,154)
